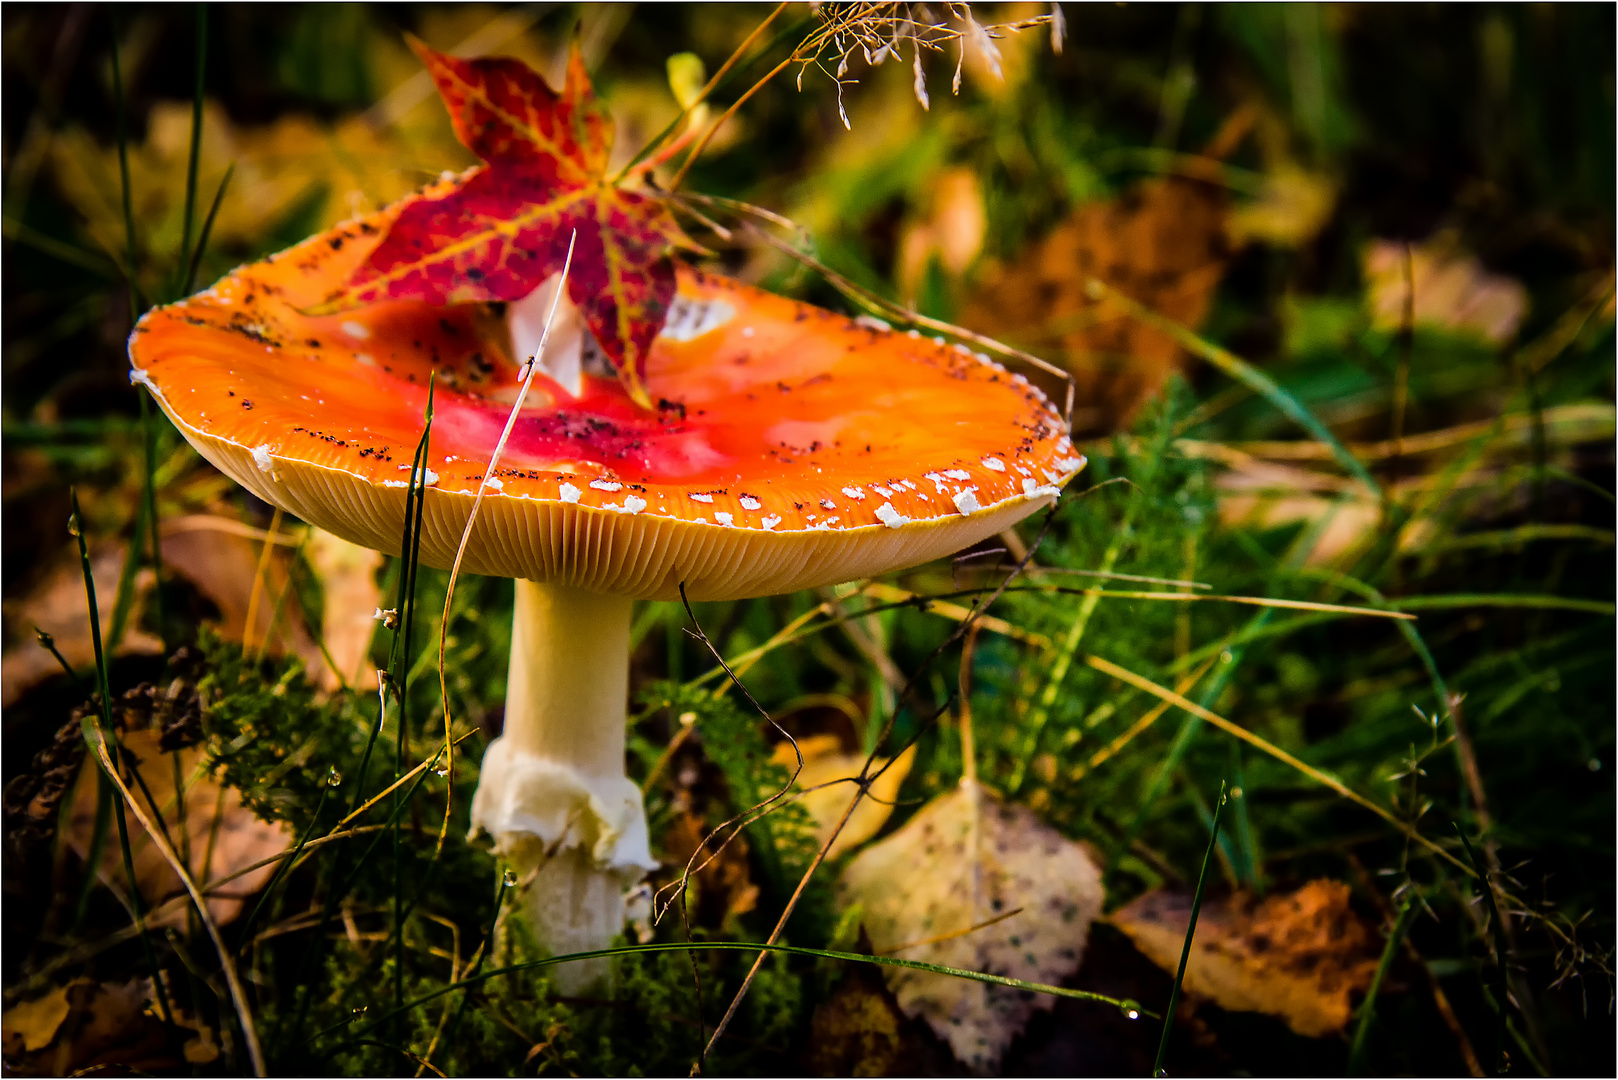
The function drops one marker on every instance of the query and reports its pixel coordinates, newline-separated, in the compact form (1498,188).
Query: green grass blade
(76,527)
(281,870)
(122,122)
(196,145)
(1244,373)
(1190,932)
(105,690)
(207,231)
(1502,600)
(48,643)
(1499,932)
(410,547)
(410,551)
(1401,926)
(1185,736)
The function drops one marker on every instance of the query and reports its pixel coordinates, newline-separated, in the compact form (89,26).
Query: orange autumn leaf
(500,229)
(1302,956)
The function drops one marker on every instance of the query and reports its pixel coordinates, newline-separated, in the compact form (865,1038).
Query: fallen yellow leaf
(1300,956)
(1292,207)
(823,765)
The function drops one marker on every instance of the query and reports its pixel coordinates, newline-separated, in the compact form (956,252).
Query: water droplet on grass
(511,878)
(334,778)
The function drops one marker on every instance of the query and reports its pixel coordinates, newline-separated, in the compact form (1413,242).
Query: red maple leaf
(503,227)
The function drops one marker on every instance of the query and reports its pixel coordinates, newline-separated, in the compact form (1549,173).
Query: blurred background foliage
(1402,215)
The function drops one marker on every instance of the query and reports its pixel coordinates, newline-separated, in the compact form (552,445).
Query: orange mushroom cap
(791,447)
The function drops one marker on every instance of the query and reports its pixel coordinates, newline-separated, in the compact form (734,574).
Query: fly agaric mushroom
(791,447)
(788,447)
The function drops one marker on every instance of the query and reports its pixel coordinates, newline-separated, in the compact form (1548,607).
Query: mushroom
(790,447)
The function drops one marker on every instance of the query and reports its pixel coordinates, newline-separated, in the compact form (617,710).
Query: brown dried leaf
(963,859)
(1163,244)
(348,573)
(201,1046)
(824,763)
(32,1025)
(724,886)
(1452,290)
(57,606)
(33,798)
(860,1031)
(220,557)
(952,229)
(217,555)
(1300,956)
(221,834)
(90,1027)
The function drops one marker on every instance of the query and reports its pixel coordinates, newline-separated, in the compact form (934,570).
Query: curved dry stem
(237,997)
(702,95)
(257,590)
(466,535)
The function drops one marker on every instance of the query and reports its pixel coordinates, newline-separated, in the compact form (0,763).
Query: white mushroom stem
(553,793)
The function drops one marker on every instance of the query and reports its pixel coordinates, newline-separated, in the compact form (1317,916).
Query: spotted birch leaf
(966,858)
(500,229)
